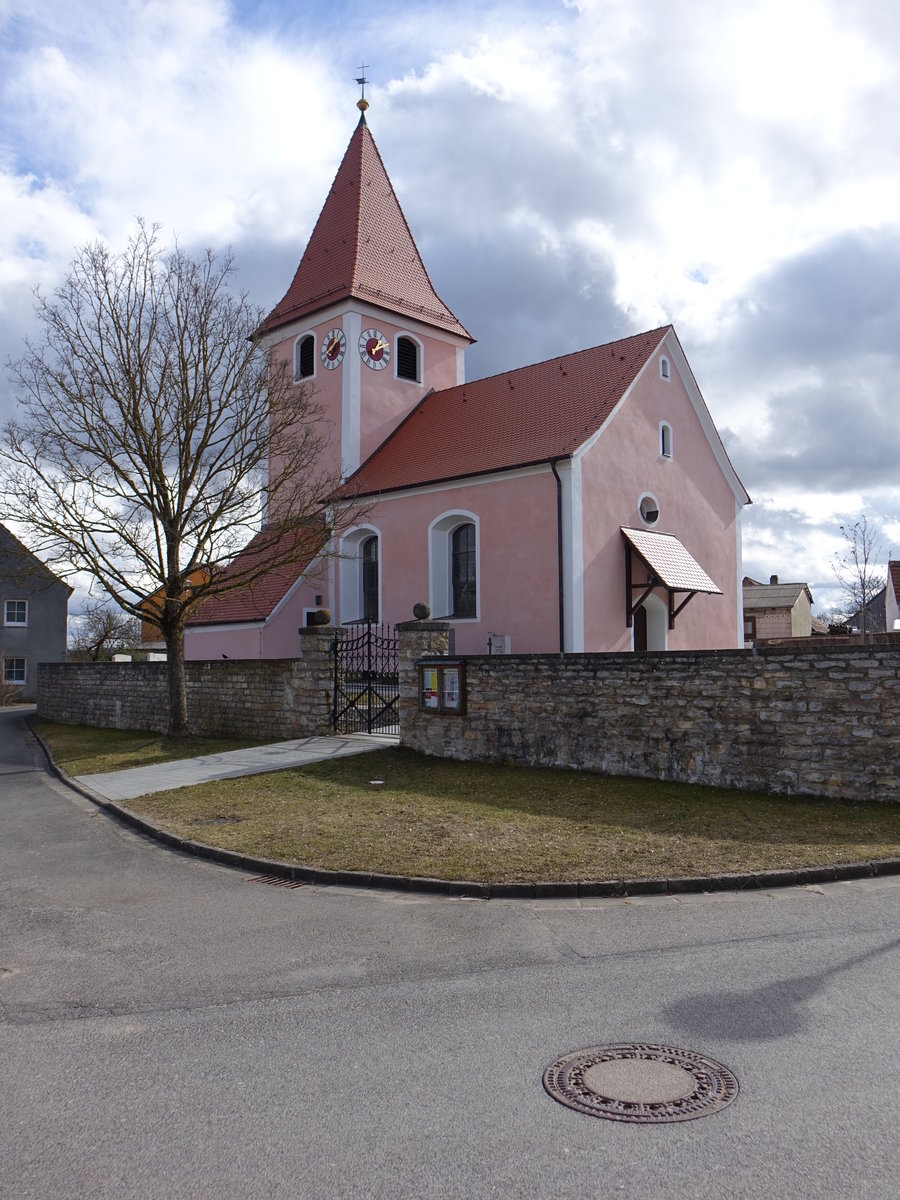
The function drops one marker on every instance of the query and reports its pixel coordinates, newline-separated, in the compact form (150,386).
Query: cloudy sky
(572,172)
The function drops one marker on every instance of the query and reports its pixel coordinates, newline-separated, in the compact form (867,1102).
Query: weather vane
(362,103)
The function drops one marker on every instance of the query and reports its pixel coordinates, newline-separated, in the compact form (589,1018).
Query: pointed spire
(361,247)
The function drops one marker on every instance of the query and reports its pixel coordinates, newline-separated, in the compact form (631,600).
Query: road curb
(473,889)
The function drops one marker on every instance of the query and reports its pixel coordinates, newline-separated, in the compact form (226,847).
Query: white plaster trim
(222,627)
(351,395)
(573,554)
(460,365)
(739,589)
(420,358)
(449,485)
(306,332)
(440,583)
(707,424)
(350,597)
(588,445)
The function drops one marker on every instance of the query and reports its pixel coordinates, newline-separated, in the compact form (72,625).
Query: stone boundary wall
(271,699)
(811,722)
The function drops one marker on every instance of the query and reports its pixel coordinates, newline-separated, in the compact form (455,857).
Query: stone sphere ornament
(321,617)
(421,612)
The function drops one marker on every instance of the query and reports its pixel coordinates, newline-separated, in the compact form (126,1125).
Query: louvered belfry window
(407,359)
(305,364)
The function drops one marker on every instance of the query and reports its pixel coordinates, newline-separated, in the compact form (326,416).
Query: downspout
(559,555)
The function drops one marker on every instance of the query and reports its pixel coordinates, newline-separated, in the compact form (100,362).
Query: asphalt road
(169,1028)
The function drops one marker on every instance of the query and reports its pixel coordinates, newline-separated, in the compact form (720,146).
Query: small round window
(649,509)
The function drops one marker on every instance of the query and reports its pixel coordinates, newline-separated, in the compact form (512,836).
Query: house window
(749,629)
(408,359)
(649,509)
(305,357)
(463,570)
(369,556)
(15,612)
(664,368)
(14,670)
(665,440)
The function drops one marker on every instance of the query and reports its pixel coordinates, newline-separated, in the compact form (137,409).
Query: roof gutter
(559,556)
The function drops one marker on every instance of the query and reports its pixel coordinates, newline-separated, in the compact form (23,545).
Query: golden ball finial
(362,105)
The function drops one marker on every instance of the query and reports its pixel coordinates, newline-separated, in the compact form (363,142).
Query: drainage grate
(640,1083)
(275,881)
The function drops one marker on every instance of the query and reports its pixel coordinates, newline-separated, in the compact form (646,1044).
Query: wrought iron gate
(366,681)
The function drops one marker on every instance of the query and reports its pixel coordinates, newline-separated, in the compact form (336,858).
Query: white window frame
(351,573)
(14,624)
(440,573)
(7,679)
(666,435)
(298,341)
(665,369)
(648,496)
(420,358)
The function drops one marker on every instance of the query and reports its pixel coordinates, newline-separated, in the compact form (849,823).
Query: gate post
(316,676)
(415,640)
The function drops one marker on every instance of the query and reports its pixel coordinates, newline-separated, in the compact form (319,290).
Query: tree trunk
(178,720)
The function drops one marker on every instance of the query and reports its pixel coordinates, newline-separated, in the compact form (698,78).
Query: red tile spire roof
(515,419)
(361,247)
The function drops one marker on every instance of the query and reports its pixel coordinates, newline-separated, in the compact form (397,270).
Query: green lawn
(398,812)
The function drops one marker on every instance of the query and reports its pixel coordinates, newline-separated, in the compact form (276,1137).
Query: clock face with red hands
(334,347)
(374,349)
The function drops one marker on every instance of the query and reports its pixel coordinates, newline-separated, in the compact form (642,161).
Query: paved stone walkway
(255,760)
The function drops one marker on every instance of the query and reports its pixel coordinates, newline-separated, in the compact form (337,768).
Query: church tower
(361,322)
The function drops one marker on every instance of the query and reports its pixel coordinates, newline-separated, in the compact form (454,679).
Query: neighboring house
(583,503)
(151,639)
(776,610)
(33,603)
(883,610)
(892,598)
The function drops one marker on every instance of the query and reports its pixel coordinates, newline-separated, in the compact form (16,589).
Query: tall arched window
(369,555)
(305,357)
(463,570)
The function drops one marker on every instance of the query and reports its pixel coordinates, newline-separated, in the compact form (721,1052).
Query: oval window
(649,509)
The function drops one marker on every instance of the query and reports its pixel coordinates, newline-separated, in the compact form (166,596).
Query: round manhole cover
(640,1083)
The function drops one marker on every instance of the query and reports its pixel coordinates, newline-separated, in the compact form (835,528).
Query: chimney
(773,579)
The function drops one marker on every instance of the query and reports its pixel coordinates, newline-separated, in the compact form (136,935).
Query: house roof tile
(774,595)
(292,553)
(362,247)
(529,415)
(894,576)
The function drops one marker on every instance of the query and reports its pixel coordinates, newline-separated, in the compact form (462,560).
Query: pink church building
(585,503)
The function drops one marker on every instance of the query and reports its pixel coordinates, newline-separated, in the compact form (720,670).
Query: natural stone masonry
(821,721)
(270,699)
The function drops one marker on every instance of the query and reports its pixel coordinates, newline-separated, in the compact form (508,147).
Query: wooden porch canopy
(668,566)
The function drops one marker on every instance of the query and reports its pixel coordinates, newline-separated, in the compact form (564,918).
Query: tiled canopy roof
(525,416)
(257,600)
(362,247)
(675,567)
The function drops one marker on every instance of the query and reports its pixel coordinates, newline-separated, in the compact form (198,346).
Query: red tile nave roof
(519,417)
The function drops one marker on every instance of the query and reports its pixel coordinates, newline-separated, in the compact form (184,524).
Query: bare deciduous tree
(856,569)
(154,438)
(101,630)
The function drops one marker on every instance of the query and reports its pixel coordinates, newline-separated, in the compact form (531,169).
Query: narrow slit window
(370,579)
(664,368)
(463,570)
(665,440)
